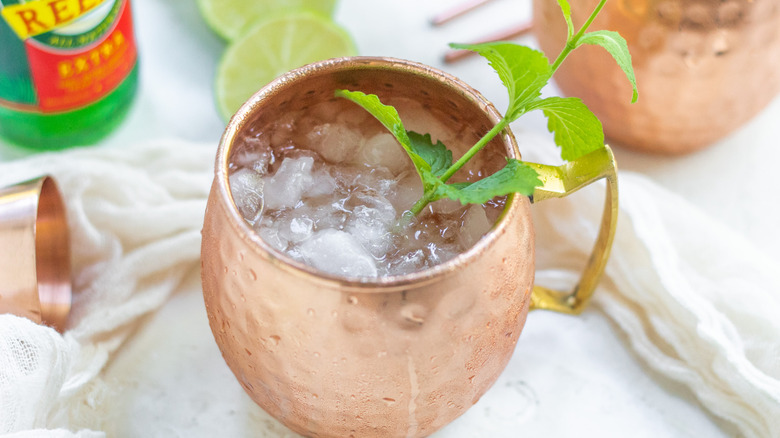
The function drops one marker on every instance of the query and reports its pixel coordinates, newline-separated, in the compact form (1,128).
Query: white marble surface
(569,376)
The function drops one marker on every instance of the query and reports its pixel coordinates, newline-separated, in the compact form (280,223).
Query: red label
(69,79)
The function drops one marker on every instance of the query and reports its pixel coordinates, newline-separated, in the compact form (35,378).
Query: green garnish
(524,72)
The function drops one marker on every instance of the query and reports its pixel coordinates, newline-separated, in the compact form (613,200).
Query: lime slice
(274,47)
(231,18)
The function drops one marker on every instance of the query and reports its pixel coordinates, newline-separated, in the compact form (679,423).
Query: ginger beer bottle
(68,70)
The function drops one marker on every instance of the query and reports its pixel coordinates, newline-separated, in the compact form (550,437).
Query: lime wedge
(231,18)
(273,47)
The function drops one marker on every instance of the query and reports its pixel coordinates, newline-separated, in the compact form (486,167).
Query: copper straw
(508,34)
(35,253)
(457,11)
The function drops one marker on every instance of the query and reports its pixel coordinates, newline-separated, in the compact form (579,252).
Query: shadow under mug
(390,356)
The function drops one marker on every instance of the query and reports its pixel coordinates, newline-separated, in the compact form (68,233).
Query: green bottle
(68,70)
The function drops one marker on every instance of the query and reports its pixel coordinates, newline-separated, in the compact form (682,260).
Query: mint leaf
(617,47)
(576,129)
(524,72)
(515,177)
(388,116)
(430,160)
(436,155)
(566,9)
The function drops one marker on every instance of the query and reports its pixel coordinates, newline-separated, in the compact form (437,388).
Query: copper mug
(389,356)
(35,253)
(703,67)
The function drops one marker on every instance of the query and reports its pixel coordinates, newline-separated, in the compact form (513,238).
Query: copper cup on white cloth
(35,253)
(335,356)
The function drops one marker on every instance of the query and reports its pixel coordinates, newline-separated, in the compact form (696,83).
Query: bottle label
(76,51)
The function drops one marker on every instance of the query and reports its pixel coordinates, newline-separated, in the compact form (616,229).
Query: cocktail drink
(336,317)
(328,186)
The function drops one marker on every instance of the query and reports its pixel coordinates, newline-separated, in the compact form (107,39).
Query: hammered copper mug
(703,67)
(389,356)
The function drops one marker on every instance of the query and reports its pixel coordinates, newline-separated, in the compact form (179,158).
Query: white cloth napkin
(696,302)
(135,216)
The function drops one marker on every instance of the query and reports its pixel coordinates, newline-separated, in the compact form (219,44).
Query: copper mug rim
(382,284)
(35,279)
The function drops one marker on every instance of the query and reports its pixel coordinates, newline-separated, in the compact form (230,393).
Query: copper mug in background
(35,253)
(703,67)
(390,356)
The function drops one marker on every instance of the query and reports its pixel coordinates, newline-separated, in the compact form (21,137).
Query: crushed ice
(331,197)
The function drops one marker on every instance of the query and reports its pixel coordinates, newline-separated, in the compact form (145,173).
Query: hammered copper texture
(704,67)
(391,357)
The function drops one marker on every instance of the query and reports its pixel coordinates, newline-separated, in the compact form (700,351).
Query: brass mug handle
(560,181)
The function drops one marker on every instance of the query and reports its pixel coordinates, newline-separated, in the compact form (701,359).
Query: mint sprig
(616,45)
(611,41)
(438,157)
(524,72)
(576,129)
(515,177)
(432,160)
(566,9)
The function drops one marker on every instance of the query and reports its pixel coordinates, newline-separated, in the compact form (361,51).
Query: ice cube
(255,153)
(294,152)
(272,237)
(408,263)
(447,206)
(448,229)
(284,128)
(323,214)
(375,238)
(370,226)
(354,115)
(386,187)
(475,225)
(384,150)
(336,143)
(301,228)
(368,179)
(406,192)
(339,253)
(371,208)
(322,184)
(345,176)
(285,188)
(324,112)
(245,158)
(438,254)
(421,120)
(246,185)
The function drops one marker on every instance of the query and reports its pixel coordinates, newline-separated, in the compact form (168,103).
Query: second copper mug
(331,356)
(703,67)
